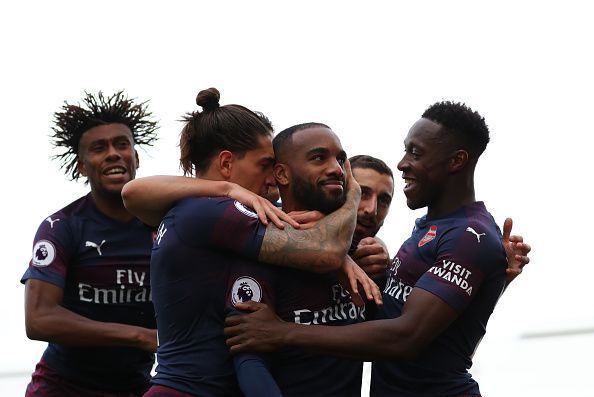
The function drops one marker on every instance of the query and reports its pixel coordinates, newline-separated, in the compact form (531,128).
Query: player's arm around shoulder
(321,248)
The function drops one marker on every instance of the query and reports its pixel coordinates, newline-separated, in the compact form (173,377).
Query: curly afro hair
(468,126)
(74,120)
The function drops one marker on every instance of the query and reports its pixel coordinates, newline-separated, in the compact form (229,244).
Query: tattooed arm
(321,248)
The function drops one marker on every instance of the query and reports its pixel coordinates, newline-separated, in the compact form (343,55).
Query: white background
(366,69)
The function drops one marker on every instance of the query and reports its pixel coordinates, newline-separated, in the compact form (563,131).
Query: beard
(313,198)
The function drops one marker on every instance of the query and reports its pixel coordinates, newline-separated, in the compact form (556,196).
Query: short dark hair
(370,162)
(74,120)
(229,127)
(468,126)
(281,139)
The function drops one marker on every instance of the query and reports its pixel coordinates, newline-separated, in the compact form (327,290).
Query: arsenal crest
(430,235)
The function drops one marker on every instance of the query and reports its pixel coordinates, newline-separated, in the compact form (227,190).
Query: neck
(211,174)
(458,194)
(289,202)
(113,207)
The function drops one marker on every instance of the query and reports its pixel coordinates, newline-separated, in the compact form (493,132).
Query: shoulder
(66,219)
(473,236)
(213,208)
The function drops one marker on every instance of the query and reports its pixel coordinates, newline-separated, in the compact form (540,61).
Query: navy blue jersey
(197,244)
(304,298)
(459,258)
(103,267)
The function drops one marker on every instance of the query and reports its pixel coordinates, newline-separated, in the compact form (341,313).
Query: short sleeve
(52,249)
(250,281)
(220,223)
(465,259)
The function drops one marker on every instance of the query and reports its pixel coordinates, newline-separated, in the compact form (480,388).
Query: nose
(113,153)
(403,164)
(335,168)
(270,180)
(369,206)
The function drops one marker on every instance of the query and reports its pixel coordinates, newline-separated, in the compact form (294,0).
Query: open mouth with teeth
(114,171)
(408,184)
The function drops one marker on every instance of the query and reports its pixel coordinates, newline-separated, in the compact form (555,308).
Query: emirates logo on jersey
(430,235)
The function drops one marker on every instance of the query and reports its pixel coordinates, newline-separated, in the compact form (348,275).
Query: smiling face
(106,156)
(316,169)
(376,196)
(424,165)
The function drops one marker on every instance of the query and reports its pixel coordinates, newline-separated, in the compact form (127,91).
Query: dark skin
(436,178)
(108,159)
(316,157)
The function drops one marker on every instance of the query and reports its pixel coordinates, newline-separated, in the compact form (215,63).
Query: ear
(458,161)
(81,167)
(282,174)
(225,160)
(137,159)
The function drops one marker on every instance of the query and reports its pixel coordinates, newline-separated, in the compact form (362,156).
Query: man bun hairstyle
(467,126)
(208,99)
(205,133)
(72,121)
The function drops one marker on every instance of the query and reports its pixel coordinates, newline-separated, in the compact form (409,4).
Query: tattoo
(319,249)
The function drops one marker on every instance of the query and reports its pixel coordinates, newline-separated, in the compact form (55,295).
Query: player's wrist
(289,335)
(227,188)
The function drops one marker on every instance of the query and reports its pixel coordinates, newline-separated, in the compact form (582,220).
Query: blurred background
(367,69)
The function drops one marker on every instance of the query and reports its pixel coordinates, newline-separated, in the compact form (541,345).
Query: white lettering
(82,288)
(119,274)
(139,280)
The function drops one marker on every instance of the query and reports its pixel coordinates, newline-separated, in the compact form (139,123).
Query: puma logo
(52,221)
(94,245)
(478,235)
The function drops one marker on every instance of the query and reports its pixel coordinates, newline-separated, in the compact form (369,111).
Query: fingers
(232,321)
(236,344)
(374,270)
(523,259)
(231,330)
(357,300)
(368,241)
(261,212)
(367,250)
(377,295)
(352,184)
(516,239)
(507,228)
(372,291)
(353,282)
(278,216)
(379,259)
(249,306)
(348,171)
(306,217)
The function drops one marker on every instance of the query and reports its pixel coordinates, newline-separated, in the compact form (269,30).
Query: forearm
(321,248)
(151,197)
(62,326)
(368,341)
(253,376)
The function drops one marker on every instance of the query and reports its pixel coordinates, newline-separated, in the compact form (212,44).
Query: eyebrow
(267,159)
(321,150)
